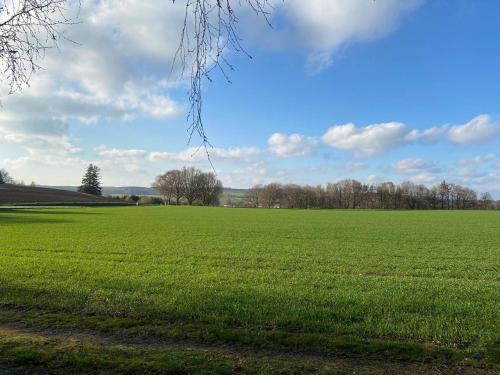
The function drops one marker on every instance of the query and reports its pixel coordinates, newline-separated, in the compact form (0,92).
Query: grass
(30,352)
(411,286)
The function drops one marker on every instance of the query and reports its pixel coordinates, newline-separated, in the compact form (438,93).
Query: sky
(372,90)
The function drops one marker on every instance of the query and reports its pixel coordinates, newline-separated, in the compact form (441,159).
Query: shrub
(150,200)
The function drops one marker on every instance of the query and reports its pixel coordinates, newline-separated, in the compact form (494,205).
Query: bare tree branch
(209,29)
(27,29)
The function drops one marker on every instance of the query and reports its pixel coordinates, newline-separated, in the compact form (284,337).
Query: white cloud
(246,176)
(415,166)
(120,153)
(121,42)
(291,145)
(189,155)
(477,172)
(39,166)
(356,165)
(196,155)
(478,130)
(37,134)
(410,165)
(489,157)
(468,173)
(478,160)
(419,171)
(366,141)
(372,139)
(431,135)
(324,26)
(423,178)
(129,166)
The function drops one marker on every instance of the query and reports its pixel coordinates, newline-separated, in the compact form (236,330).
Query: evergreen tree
(91,181)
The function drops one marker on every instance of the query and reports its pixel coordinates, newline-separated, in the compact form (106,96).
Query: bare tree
(209,30)
(486,200)
(190,184)
(444,194)
(210,188)
(271,195)
(423,196)
(170,185)
(385,191)
(27,29)
(434,197)
(252,197)
(5,177)
(409,192)
(293,196)
(191,179)
(165,185)
(352,194)
(296,196)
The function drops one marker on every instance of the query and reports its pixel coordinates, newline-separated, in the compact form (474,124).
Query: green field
(249,290)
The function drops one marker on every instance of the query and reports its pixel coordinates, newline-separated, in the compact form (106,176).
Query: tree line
(193,186)
(352,194)
(189,185)
(186,185)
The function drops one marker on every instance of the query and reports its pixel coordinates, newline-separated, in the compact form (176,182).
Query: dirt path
(323,364)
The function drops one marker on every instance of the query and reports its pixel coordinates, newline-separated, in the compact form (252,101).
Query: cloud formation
(410,166)
(368,140)
(116,71)
(197,154)
(478,130)
(283,145)
(376,138)
(431,135)
(189,155)
(322,27)
(120,153)
(119,67)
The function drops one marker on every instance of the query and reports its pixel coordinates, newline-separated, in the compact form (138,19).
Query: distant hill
(19,195)
(235,191)
(114,190)
(140,190)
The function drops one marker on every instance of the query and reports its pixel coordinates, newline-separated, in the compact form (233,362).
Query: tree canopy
(189,184)
(353,194)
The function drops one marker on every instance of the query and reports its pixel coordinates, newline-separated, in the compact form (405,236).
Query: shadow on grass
(48,211)
(17,216)
(68,312)
(30,220)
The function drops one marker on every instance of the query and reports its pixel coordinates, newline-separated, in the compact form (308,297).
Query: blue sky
(385,90)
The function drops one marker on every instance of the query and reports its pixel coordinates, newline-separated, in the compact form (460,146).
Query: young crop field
(220,290)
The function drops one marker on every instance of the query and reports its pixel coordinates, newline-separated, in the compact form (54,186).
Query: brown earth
(27,195)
